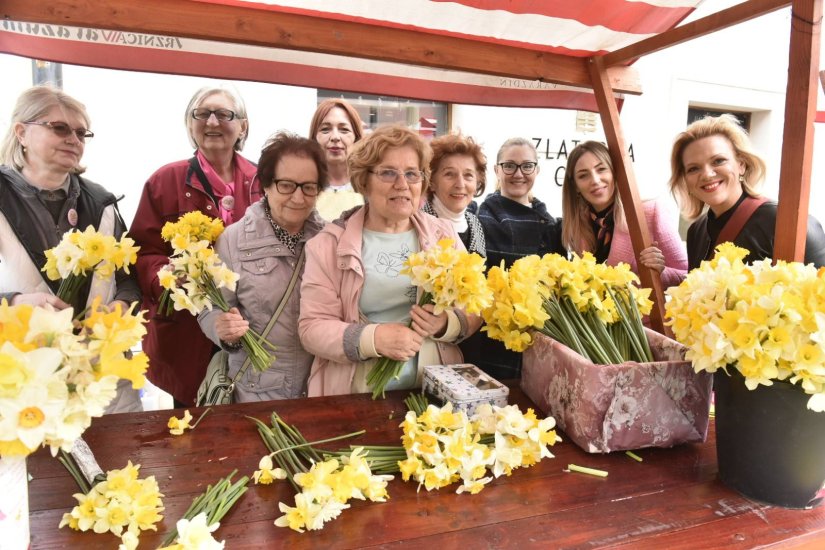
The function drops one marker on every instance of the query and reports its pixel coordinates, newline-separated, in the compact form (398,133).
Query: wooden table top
(671,500)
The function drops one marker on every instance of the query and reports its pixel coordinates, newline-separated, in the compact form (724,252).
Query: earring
(741,178)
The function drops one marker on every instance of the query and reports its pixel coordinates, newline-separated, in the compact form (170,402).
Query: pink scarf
(224,191)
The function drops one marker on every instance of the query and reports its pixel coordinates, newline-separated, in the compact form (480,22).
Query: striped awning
(566,28)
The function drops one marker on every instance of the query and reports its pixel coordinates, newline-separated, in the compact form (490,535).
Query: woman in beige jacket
(355,304)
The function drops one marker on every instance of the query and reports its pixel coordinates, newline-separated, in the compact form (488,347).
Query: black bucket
(769,445)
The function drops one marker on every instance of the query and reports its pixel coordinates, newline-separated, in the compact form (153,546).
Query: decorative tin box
(464,385)
(604,408)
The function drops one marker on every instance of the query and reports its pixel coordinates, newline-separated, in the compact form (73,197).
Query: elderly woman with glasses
(265,247)
(516,224)
(356,305)
(42,197)
(218,182)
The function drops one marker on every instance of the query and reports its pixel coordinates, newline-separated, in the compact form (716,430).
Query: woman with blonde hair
(713,165)
(594,219)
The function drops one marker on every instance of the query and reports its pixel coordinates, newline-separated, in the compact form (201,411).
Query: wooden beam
(709,24)
(238,24)
(798,135)
(628,190)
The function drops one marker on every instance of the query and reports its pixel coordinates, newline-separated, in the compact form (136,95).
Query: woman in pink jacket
(356,306)
(593,219)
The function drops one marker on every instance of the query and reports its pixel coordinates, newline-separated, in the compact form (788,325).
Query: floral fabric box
(464,385)
(604,408)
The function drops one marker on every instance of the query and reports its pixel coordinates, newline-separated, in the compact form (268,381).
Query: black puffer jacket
(757,236)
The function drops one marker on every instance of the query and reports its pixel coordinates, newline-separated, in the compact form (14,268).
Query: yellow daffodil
(178,425)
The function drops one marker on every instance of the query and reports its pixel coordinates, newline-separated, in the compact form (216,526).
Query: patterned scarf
(291,241)
(603,229)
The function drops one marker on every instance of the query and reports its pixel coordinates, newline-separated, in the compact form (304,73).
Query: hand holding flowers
(195,275)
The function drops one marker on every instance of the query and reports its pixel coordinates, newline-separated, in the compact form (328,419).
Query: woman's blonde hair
(238,106)
(369,152)
(457,144)
(31,105)
(514,142)
(728,127)
(577,229)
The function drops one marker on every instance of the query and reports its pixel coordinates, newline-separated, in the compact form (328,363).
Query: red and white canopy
(571,28)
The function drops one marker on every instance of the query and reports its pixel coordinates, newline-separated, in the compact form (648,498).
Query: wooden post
(626,182)
(798,136)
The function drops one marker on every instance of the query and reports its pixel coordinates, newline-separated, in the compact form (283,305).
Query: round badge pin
(72,217)
(228,203)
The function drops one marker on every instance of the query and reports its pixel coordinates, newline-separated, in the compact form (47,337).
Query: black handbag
(217,388)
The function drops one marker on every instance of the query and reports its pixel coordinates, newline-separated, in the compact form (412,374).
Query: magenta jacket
(330,323)
(664,232)
(177,348)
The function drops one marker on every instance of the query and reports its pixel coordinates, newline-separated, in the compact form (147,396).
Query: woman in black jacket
(713,164)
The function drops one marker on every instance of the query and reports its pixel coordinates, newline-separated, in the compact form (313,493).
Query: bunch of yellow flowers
(766,320)
(593,308)
(79,254)
(57,374)
(190,228)
(326,489)
(444,447)
(122,503)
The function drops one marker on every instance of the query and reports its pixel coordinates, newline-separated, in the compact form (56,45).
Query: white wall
(137,117)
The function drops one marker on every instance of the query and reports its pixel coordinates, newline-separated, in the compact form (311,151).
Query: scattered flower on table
(178,425)
(56,374)
(81,254)
(122,504)
(765,320)
(195,534)
(267,472)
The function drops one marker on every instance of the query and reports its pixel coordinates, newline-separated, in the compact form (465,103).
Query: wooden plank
(628,190)
(238,24)
(708,24)
(798,134)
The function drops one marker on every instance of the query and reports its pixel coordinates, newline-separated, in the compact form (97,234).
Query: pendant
(228,203)
(71,215)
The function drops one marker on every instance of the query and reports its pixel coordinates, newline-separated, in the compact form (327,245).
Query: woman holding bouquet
(218,182)
(356,306)
(594,219)
(458,174)
(713,164)
(42,197)
(264,248)
(336,126)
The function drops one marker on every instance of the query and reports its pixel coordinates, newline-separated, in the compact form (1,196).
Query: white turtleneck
(458,220)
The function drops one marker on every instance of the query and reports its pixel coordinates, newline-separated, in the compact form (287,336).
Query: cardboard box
(604,408)
(464,385)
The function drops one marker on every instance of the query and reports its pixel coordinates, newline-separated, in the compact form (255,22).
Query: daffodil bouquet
(122,503)
(324,484)
(592,308)
(56,374)
(81,254)
(193,278)
(765,320)
(449,278)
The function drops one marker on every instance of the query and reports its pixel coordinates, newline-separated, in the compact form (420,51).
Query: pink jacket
(664,232)
(330,291)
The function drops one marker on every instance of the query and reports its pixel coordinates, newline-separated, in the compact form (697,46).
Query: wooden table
(671,500)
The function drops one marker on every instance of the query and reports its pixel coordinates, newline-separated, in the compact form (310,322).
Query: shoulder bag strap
(287,293)
(738,220)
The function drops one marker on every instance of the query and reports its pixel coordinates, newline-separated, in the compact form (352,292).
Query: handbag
(217,388)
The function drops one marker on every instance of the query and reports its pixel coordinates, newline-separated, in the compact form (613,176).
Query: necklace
(291,241)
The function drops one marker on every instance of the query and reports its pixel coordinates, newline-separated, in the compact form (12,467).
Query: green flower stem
(417,402)
(198,421)
(632,323)
(68,462)
(215,502)
(595,352)
(605,341)
(560,327)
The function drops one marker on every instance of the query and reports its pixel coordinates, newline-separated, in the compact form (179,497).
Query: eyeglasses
(510,168)
(223,115)
(390,175)
(287,187)
(62,129)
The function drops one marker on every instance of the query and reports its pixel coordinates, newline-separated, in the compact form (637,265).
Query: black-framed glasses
(62,129)
(222,115)
(510,168)
(390,175)
(287,187)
